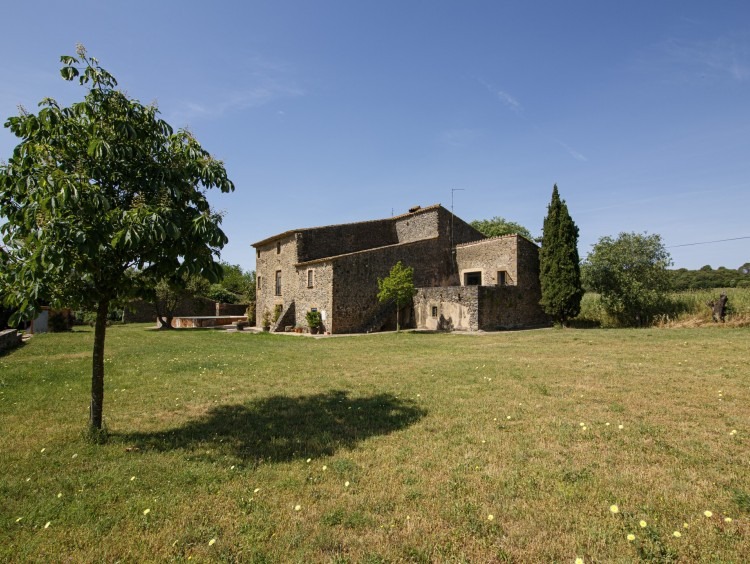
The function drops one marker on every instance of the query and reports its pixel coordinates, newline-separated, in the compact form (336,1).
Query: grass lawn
(412,447)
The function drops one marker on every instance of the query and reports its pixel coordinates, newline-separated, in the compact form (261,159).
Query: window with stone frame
(278,282)
(502,278)
(310,278)
(434,311)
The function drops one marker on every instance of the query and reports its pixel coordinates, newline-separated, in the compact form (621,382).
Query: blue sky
(336,111)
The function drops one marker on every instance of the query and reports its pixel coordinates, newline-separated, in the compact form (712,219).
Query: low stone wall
(472,308)
(453,308)
(140,311)
(510,307)
(231,309)
(206,321)
(9,338)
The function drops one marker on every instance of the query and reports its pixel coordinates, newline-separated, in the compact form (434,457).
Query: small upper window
(310,278)
(278,282)
(502,278)
(278,247)
(257,253)
(258,282)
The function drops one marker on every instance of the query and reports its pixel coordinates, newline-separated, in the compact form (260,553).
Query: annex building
(465,280)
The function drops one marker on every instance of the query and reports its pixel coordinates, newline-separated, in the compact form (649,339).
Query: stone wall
(230,309)
(510,307)
(324,242)
(141,311)
(472,308)
(489,257)
(319,296)
(453,308)
(277,255)
(355,279)
(456,230)
(9,338)
(528,265)
(417,226)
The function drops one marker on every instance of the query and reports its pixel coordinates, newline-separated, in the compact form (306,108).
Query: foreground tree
(559,264)
(631,275)
(397,287)
(96,191)
(498,226)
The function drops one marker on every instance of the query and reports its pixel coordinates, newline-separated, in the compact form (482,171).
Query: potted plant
(314,321)
(266,321)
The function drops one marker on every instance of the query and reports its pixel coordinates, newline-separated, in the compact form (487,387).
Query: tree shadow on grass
(283,428)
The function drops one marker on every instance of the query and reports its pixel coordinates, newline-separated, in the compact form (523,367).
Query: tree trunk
(164,323)
(97,373)
(398,328)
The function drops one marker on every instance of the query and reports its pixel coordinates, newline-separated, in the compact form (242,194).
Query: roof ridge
(392,218)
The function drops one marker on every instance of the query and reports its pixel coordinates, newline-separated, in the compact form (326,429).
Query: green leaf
(69,73)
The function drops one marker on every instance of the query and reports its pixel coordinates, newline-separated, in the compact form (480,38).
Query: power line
(708,242)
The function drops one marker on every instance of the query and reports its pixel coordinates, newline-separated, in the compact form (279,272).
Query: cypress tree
(559,265)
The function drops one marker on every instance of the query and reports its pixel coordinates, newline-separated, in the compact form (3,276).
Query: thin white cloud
(234,101)
(572,152)
(509,101)
(726,56)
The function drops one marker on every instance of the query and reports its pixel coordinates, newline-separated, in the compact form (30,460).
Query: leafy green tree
(96,190)
(559,264)
(218,293)
(631,275)
(170,295)
(238,282)
(498,226)
(397,287)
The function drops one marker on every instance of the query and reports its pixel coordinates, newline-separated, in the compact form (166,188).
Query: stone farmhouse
(465,280)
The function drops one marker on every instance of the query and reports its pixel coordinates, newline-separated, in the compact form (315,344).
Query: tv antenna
(453,190)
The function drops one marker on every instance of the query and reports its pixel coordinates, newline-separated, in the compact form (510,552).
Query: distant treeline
(707,277)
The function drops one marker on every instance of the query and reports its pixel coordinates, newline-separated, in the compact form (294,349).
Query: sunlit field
(680,309)
(532,446)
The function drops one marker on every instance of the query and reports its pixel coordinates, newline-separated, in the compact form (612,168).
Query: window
(278,247)
(434,311)
(278,282)
(473,279)
(257,253)
(258,282)
(502,278)
(310,278)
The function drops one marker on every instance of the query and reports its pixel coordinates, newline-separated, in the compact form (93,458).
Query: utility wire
(707,242)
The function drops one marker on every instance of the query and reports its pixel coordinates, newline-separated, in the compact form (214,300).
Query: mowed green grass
(403,447)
